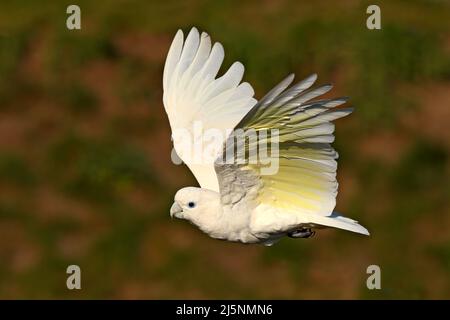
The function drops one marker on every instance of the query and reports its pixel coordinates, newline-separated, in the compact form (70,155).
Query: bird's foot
(302,233)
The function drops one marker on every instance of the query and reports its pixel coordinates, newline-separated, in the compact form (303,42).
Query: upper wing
(305,179)
(202,109)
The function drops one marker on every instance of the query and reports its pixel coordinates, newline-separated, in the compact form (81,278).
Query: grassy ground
(85,170)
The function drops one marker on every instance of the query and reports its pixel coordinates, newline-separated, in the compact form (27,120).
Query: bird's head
(199,206)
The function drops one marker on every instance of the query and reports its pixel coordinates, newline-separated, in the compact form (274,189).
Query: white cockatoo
(237,200)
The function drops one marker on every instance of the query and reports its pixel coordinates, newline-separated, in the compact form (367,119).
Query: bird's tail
(335,220)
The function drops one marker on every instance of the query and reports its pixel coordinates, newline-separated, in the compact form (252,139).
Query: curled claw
(302,233)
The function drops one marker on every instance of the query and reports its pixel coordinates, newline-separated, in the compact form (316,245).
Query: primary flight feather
(266,168)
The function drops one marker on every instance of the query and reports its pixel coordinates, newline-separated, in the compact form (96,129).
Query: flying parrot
(240,199)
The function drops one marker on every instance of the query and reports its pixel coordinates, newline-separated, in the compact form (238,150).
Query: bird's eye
(191,204)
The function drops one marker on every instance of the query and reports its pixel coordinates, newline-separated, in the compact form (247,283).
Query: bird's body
(240,223)
(289,187)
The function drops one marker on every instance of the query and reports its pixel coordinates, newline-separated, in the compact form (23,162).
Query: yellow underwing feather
(306,176)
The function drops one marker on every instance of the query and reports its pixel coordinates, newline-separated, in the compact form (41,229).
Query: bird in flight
(266,168)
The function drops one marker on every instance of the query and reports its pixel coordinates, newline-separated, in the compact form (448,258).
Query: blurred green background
(85,170)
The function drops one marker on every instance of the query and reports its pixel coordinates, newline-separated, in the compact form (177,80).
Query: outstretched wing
(201,108)
(303,180)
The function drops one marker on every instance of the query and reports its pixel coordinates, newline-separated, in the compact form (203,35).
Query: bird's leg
(302,233)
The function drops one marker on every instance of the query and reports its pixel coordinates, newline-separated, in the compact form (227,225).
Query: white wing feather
(193,94)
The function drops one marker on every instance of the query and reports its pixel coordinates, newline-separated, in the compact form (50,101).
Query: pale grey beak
(175,210)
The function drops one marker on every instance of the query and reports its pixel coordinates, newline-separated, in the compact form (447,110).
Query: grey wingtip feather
(344,99)
(313,76)
(288,79)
